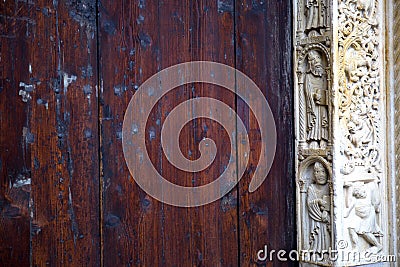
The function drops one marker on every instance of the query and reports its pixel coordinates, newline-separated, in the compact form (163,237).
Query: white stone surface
(344,194)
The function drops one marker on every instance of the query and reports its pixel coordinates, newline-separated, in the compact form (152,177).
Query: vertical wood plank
(64,127)
(15,157)
(139,38)
(267,216)
(131,221)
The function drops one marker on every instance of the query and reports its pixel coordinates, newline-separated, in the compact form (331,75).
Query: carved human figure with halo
(318,204)
(315,92)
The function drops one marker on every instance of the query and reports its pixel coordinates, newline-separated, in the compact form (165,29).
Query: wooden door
(68,72)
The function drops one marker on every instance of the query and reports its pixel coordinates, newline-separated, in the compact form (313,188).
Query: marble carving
(340,128)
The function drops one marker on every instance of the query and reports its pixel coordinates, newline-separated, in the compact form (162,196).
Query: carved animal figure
(360,131)
(366,5)
(356,64)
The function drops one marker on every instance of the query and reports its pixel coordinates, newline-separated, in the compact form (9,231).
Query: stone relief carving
(363,202)
(359,87)
(314,139)
(357,107)
(316,15)
(316,208)
(319,208)
(316,97)
(313,17)
(362,130)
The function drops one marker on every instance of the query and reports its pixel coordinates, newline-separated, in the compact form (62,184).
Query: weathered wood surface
(15,152)
(80,206)
(267,216)
(49,144)
(147,37)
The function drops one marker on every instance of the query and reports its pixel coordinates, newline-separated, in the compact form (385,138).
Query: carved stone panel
(340,129)
(313,17)
(314,98)
(316,208)
(360,88)
(362,130)
(313,92)
(362,209)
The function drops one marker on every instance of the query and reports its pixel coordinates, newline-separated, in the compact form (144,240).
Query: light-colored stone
(341,129)
(393,88)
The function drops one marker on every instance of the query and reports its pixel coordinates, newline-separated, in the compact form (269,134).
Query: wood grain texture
(52,138)
(267,216)
(148,37)
(15,150)
(65,183)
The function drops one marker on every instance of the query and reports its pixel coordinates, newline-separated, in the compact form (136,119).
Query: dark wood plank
(139,38)
(63,130)
(131,220)
(267,216)
(15,152)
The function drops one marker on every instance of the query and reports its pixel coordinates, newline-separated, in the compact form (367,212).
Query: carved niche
(313,17)
(316,208)
(314,85)
(313,99)
(313,71)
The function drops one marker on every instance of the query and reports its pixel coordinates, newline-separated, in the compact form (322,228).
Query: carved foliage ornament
(360,99)
(362,132)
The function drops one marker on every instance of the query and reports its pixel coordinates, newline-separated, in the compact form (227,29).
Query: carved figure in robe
(315,15)
(365,200)
(318,204)
(316,96)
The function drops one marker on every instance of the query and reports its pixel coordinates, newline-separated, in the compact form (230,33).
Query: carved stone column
(341,110)
(394,73)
